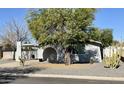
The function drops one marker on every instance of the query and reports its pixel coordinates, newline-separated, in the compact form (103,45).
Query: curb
(72,77)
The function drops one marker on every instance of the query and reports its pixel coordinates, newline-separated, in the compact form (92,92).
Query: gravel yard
(96,69)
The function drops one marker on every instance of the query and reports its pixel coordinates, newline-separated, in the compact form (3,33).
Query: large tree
(66,27)
(14,32)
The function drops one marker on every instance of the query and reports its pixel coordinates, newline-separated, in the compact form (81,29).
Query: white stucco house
(93,49)
(33,51)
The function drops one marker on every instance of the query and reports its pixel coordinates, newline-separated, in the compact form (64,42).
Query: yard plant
(113,61)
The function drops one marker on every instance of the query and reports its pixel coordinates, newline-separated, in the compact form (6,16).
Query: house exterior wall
(48,52)
(94,51)
(8,55)
(90,51)
(28,55)
(40,53)
(18,51)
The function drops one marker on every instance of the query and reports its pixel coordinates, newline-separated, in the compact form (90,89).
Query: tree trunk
(14,54)
(67,58)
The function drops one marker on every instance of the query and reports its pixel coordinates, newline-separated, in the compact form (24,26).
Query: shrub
(113,61)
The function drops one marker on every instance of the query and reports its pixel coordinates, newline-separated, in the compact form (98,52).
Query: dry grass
(35,63)
(49,65)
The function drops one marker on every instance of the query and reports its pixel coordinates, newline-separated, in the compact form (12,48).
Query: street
(45,80)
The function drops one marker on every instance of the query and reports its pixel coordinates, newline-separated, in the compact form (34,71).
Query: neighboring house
(7,53)
(28,52)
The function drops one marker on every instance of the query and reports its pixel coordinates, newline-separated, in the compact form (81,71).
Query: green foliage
(95,34)
(106,37)
(65,27)
(72,38)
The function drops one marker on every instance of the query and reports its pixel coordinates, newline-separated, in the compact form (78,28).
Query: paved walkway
(96,69)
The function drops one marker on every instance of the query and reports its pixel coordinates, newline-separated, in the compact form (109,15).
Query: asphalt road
(62,81)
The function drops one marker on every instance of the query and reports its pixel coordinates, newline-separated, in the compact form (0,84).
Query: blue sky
(105,18)
(111,18)
(6,15)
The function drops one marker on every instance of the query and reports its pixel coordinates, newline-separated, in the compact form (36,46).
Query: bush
(112,62)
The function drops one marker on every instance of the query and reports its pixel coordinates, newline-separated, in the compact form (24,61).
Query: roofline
(93,41)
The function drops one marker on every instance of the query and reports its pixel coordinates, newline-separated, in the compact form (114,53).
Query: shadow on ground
(6,74)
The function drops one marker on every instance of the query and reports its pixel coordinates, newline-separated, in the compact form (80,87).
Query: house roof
(29,45)
(93,41)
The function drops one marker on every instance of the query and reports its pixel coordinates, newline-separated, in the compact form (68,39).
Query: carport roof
(30,45)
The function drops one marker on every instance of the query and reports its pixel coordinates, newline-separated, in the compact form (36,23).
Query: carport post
(18,50)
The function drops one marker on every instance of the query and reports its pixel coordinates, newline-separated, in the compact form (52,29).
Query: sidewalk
(78,71)
(72,77)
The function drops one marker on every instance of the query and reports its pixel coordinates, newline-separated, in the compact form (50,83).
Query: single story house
(93,49)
